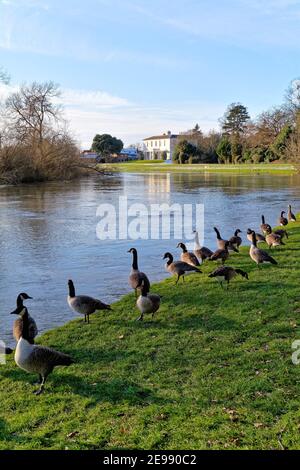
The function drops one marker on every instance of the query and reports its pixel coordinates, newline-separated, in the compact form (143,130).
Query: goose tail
(102,306)
(64,359)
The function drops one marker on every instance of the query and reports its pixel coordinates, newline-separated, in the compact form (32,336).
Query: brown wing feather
(203,253)
(184,267)
(42,355)
(136,279)
(190,258)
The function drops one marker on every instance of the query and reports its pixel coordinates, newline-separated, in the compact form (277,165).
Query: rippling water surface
(48,233)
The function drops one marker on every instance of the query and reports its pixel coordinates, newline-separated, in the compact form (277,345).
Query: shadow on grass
(7,436)
(114,391)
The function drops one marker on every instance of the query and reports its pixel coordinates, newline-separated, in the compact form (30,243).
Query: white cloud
(94,111)
(91,99)
(134,122)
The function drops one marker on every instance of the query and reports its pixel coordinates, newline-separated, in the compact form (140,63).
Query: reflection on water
(48,232)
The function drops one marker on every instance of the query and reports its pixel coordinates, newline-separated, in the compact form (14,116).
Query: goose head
(132,250)
(168,256)
(24,296)
(182,246)
(243,274)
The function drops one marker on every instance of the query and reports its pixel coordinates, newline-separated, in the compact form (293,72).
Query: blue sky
(135,68)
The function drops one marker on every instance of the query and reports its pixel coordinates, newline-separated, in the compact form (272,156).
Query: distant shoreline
(147,167)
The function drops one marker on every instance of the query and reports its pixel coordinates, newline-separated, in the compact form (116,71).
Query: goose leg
(182,278)
(178,277)
(85,318)
(141,318)
(88,317)
(39,381)
(41,389)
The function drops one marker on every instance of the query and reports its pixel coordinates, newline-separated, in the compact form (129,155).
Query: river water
(48,233)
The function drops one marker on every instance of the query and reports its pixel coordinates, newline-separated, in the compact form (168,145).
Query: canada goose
(221,243)
(236,239)
(136,277)
(187,256)
(179,268)
(273,240)
(17,327)
(84,304)
(258,255)
(291,216)
(147,303)
(281,232)
(222,255)
(202,253)
(226,273)
(265,228)
(34,358)
(283,220)
(259,238)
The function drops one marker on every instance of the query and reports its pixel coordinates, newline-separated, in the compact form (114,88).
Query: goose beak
(14,312)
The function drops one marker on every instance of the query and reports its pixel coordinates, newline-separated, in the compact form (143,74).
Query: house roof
(164,136)
(129,151)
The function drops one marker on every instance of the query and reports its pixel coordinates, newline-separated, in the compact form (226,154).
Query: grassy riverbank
(150,166)
(212,370)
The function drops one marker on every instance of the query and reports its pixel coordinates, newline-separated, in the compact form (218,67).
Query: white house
(160,146)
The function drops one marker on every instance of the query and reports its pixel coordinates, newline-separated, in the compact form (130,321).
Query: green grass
(213,370)
(154,165)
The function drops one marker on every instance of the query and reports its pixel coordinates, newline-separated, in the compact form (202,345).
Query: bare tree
(32,111)
(36,145)
(292,98)
(269,124)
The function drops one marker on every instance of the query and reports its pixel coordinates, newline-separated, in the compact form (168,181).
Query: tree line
(273,136)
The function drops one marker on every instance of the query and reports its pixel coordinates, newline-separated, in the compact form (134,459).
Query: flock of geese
(42,360)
